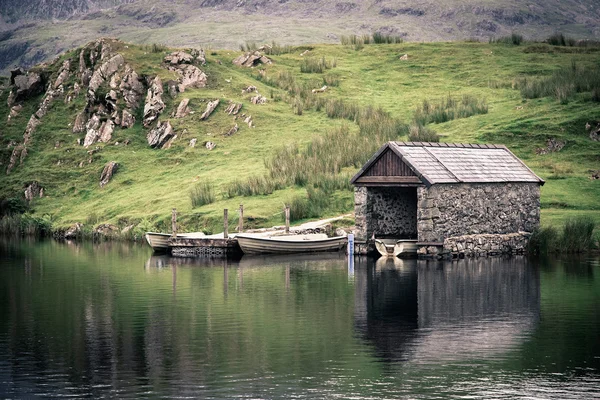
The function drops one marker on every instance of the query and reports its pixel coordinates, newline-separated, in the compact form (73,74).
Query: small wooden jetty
(226,245)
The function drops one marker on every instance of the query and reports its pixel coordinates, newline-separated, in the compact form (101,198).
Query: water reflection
(430,311)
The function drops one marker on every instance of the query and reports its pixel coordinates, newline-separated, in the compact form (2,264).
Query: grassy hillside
(151,182)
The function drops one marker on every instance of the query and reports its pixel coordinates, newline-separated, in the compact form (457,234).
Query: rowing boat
(396,248)
(311,243)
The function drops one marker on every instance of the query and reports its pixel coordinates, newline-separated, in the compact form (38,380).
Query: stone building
(455,199)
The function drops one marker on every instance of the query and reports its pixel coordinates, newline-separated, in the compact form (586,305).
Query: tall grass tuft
(514,39)
(202,193)
(421,133)
(543,241)
(449,108)
(248,46)
(25,225)
(376,38)
(316,65)
(156,48)
(253,186)
(562,84)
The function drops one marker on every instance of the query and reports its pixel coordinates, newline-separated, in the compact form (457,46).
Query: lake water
(111,320)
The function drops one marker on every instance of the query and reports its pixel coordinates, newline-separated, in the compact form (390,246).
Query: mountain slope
(36,30)
(335,131)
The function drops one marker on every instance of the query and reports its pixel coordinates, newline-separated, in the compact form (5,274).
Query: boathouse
(454,199)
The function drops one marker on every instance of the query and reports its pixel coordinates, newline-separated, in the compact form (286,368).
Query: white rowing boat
(396,248)
(252,244)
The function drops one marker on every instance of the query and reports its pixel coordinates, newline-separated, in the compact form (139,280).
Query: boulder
(161,136)
(34,190)
(106,131)
(14,111)
(154,104)
(106,230)
(251,59)
(258,99)
(210,145)
(191,77)
(404,57)
(179,57)
(25,86)
(233,108)
(173,88)
(108,172)
(127,119)
(593,127)
(249,89)
(92,127)
(248,120)
(193,142)
(183,110)
(80,122)
(210,107)
(74,231)
(321,90)
(232,131)
(552,146)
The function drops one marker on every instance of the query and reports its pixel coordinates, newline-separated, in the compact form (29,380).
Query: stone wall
(482,245)
(446,211)
(386,212)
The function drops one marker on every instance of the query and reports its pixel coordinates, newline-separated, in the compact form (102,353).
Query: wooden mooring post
(287,219)
(174,223)
(241,224)
(225,224)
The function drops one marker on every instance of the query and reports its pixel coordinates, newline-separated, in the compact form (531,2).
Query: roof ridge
(452,145)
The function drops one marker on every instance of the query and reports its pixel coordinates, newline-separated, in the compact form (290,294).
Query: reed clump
(576,236)
(376,38)
(449,108)
(514,39)
(202,193)
(562,84)
(25,225)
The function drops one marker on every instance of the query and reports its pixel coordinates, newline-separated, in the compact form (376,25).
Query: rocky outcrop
(154,104)
(106,131)
(63,74)
(108,172)
(233,108)
(252,59)
(593,127)
(49,98)
(131,88)
(179,57)
(92,134)
(33,191)
(191,77)
(183,110)
(210,107)
(162,136)
(105,71)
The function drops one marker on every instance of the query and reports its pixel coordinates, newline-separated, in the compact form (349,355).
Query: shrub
(543,241)
(12,205)
(202,193)
(514,39)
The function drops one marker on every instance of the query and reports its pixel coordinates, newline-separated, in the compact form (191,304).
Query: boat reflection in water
(430,311)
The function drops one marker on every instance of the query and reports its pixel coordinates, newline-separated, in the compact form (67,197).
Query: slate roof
(436,163)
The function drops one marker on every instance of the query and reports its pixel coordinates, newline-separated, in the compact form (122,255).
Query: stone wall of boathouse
(385,212)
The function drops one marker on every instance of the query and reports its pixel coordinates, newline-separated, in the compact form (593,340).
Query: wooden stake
(241,226)
(174,223)
(225,224)
(287,219)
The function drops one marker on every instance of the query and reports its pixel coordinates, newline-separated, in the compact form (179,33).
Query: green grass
(374,100)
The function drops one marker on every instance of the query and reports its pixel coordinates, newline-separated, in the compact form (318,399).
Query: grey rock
(183,110)
(191,77)
(210,107)
(108,172)
(127,119)
(34,190)
(161,136)
(154,104)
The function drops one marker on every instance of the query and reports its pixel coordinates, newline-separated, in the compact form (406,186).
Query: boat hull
(289,245)
(396,248)
(158,241)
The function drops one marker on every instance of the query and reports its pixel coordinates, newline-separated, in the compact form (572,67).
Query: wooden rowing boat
(396,248)
(251,244)
(160,241)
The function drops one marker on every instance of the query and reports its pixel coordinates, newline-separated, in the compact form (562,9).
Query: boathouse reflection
(427,311)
